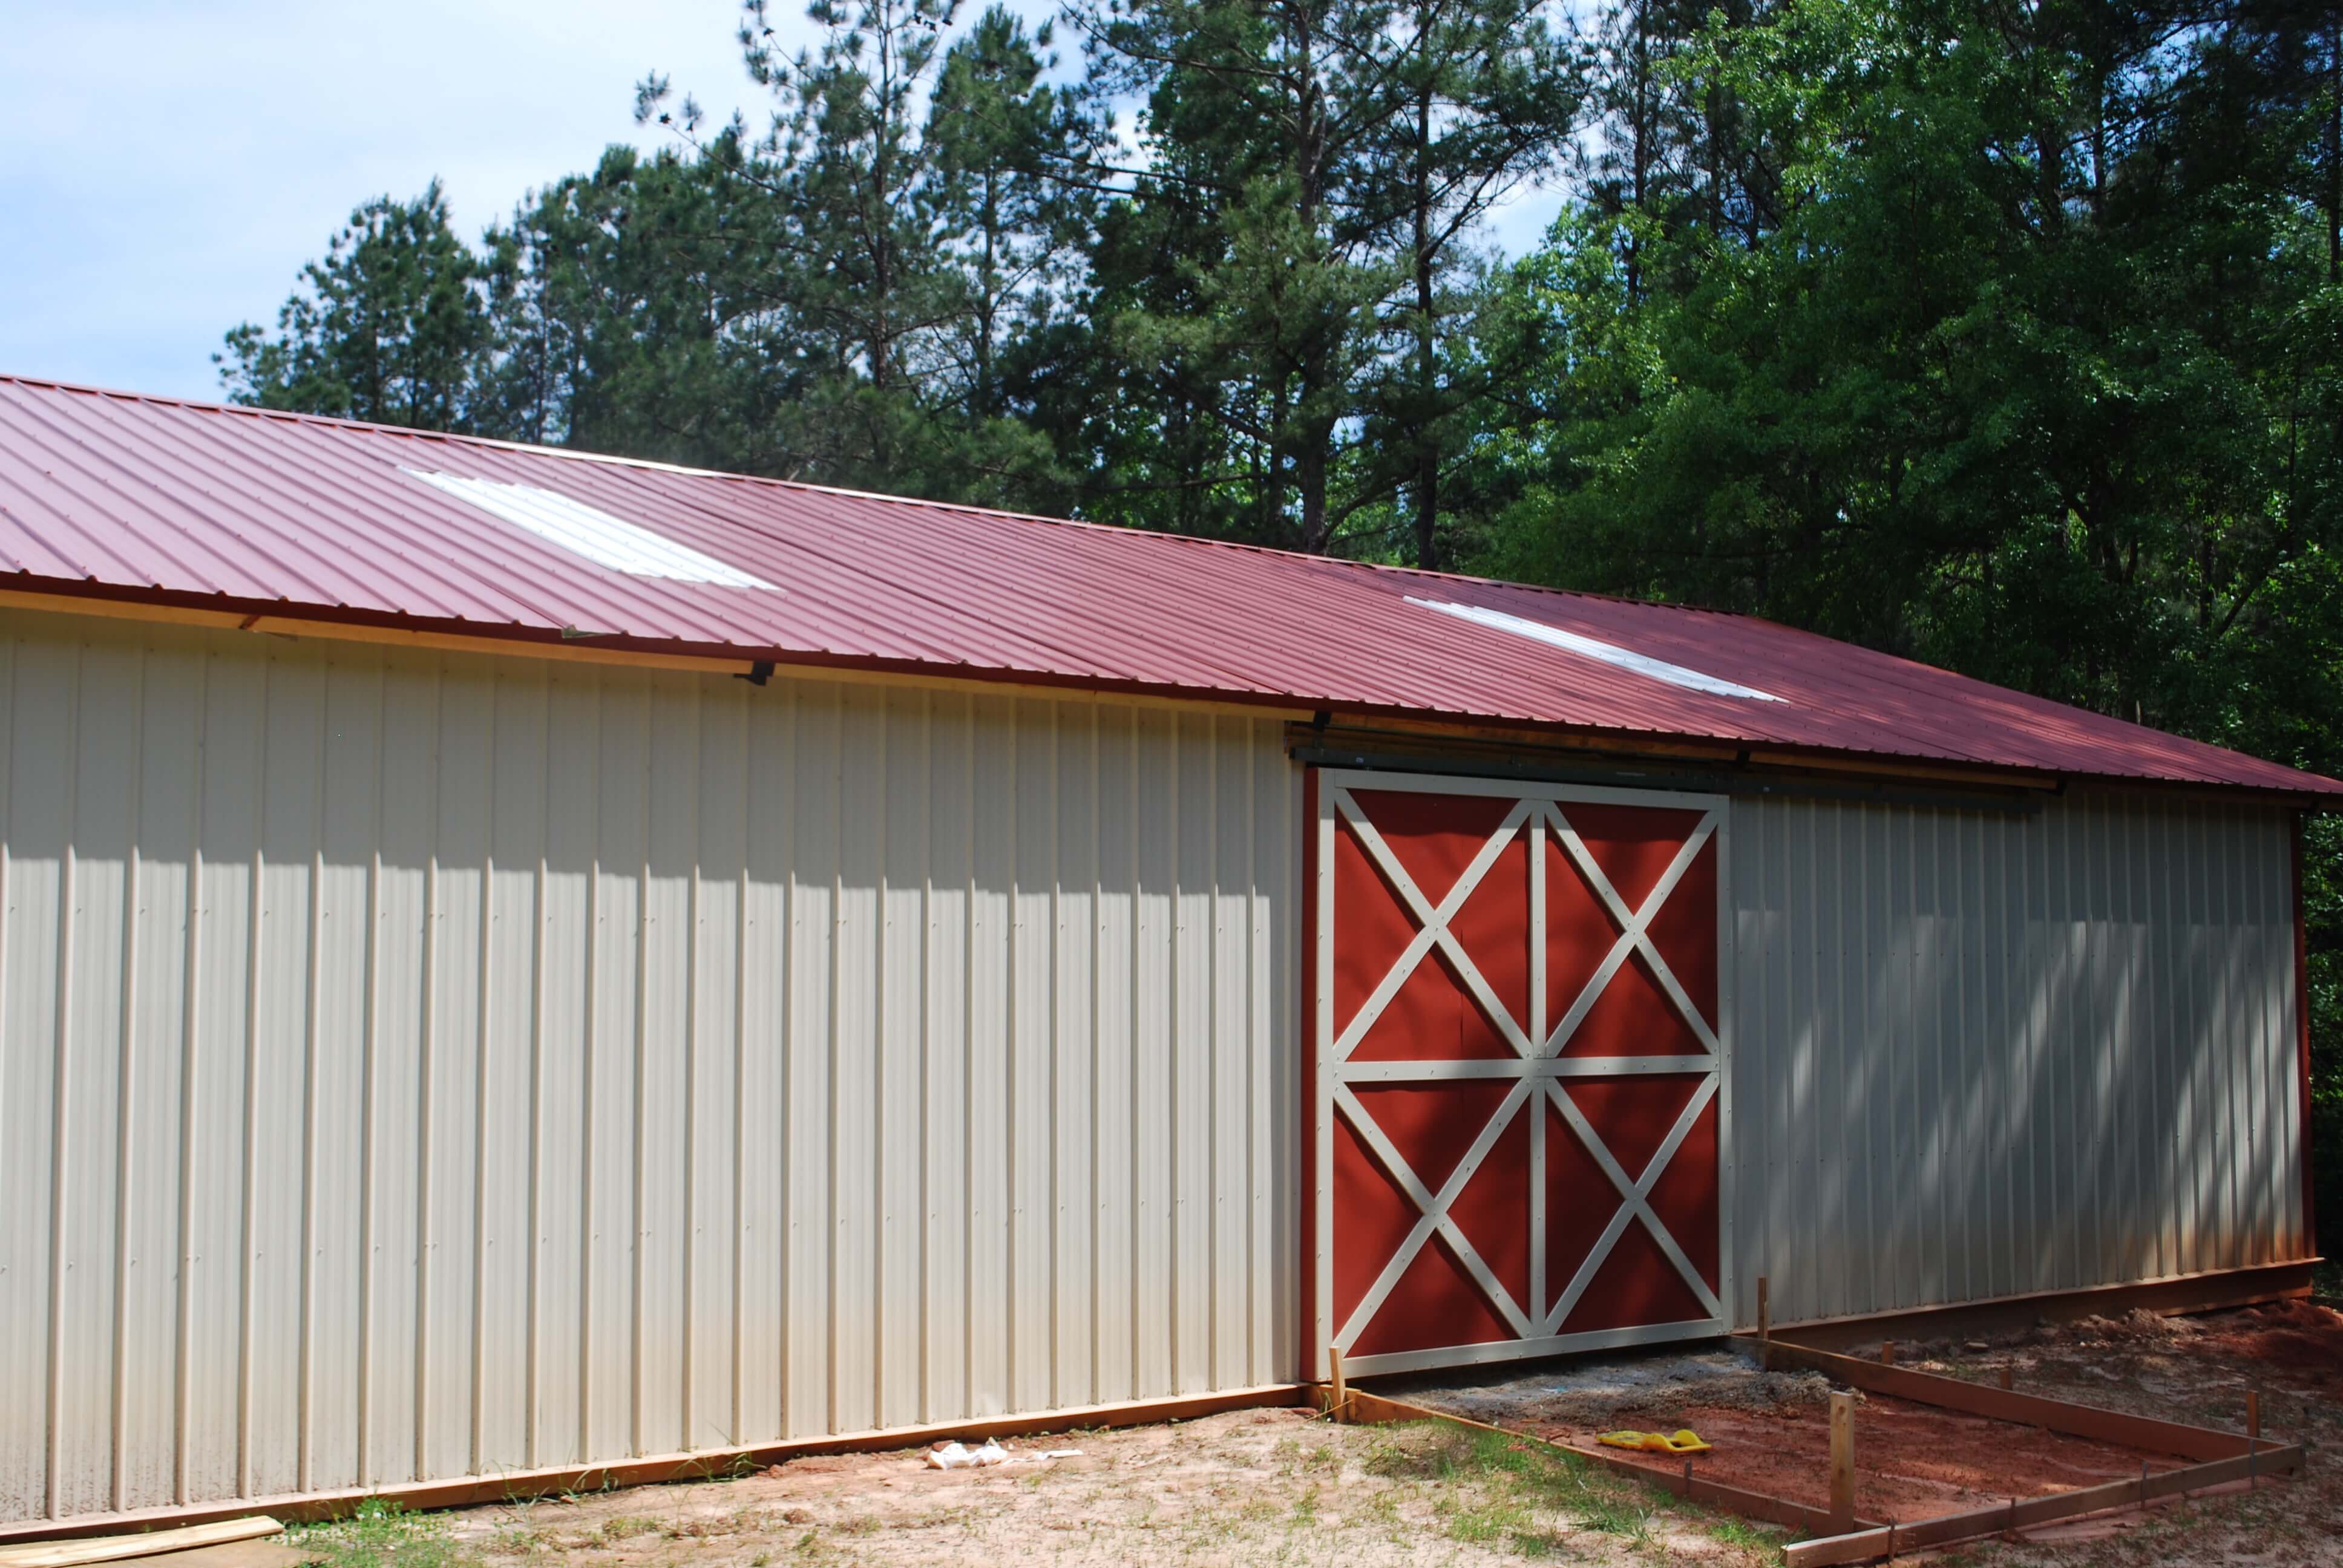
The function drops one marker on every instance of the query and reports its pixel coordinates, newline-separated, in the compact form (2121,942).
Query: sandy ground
(1249,1487)
(1282,1487)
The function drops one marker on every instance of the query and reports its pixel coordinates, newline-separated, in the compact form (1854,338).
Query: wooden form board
(1360,1406)
(1872,1543)
(2221,1459)
(2194,1442)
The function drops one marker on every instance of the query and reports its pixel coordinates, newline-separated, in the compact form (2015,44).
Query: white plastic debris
(960,1456)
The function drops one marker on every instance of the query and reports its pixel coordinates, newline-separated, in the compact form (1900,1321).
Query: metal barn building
(515,964)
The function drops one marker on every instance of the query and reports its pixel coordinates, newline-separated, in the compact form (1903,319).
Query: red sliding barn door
(1518,1069)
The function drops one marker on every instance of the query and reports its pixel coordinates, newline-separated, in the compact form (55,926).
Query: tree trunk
(1311,455)
(1427,367)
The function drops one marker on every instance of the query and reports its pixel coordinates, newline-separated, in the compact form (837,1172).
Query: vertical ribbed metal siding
(1979,1055)
(423,1065)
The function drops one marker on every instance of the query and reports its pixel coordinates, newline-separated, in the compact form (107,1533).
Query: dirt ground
(1770,1433)
(1271,1486)
(2197,1370)
(1282,1487)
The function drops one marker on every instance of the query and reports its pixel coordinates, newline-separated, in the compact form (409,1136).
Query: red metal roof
(113,494)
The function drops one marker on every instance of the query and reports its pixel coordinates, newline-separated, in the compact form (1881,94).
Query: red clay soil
(1912,1460)
(2304,1340)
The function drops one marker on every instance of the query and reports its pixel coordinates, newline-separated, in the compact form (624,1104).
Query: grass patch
(1512,1491)
(383,1535)
(1750,1536)
(620,1527)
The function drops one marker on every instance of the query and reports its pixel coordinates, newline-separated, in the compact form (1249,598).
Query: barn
(518,966)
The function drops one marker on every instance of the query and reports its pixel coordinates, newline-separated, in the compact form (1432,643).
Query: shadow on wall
(1984,1055)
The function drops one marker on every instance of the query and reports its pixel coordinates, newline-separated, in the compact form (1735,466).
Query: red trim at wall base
(296,1508)
(2214,1291)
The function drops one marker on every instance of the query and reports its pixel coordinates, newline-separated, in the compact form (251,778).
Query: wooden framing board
(601,650)
(2222,1458)
(1870,1544)
(2194,1443)
(1374,1408)
(708,1464)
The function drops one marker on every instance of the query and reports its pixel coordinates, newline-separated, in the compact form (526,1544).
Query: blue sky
(165,169)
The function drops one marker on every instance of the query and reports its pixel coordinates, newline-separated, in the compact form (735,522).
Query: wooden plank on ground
(121,1548)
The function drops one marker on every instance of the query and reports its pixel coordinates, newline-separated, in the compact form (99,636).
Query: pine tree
(1290,243)
(390,326)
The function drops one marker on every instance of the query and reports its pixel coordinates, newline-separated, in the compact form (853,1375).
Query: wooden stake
(2006,1379)
(1765,1312)
(2253,1436)
(1340,1409)
(1842,1462)
(1887,1352)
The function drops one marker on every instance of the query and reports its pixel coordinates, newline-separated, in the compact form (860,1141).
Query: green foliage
(1509,1489)
(390,326)
(2021,352)
(1281,292)
(382,1534)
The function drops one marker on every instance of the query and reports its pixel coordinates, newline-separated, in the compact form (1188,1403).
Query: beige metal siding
(421,1066)
(1980,1055)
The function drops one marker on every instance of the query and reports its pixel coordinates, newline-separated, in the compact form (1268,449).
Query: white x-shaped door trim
(1432,923)
(1538,1070)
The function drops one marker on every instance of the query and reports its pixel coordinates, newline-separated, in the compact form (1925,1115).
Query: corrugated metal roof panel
(111,492)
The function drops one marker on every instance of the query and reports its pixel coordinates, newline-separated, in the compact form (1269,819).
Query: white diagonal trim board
(1433,923)
(1633,931)
(1432,1211)
(1635,1197)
